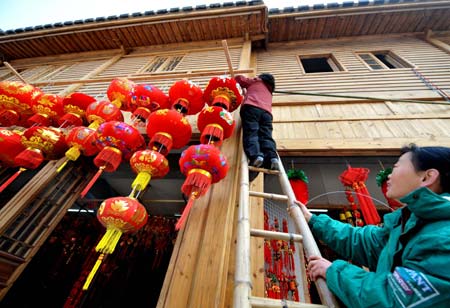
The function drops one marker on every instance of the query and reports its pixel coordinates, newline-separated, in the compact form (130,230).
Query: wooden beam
(435,42)
(228,57)
(16,73)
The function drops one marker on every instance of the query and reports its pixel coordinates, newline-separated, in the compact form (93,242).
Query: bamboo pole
(268,196)
(309,243)
(227,55)
(276,235)
(258,302)
(12,69)
(242,278)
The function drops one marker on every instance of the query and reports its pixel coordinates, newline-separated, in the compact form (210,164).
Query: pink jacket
(257,93)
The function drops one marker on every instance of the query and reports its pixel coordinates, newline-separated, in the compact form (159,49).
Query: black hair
(268,80)
(436,157)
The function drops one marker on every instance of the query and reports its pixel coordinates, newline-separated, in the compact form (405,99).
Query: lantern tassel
(109,241)
(91,182)
(62,166)
(93,271)
(187,209)
(11,179)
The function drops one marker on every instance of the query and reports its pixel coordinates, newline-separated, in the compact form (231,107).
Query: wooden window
(319,63)
(382,60)
(164,64)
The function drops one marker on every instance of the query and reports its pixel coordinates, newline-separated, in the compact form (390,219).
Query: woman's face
(404,178)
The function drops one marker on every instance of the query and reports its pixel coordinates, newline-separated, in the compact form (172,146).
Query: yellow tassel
(141,181)
(93,271)
(109,241)
(62,166)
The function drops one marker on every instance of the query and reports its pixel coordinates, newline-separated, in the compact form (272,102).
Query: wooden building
(354,81)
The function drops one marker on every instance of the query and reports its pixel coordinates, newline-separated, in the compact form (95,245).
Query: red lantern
(15,102)
(40,143)
(10,146)
(116,140)
(75,105)
(147,99)
(101,112)
(215,125)
(203,165)
(118,215)
(168,129)
(47,108)
(355,178)
(119,92)
(186,97)
(80,139)
(147,164)
(224,92)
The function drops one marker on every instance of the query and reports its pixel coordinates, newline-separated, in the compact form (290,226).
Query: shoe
(258,162)
(274,164)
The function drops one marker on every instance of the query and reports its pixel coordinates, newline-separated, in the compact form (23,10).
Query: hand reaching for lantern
(304,210)
(317,267)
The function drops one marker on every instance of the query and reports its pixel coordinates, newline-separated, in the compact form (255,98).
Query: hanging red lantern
(147,99)
(215,124)
(203,165)
(119,92)
(15,102)
(224,92)
(47,109)
(355,178)
(186,97)
(116,140)
(81,140)
(167,129)
(40,143)
(147,164)
(75,105)
(10,146)
(118,215)
(299,183)
(101,112)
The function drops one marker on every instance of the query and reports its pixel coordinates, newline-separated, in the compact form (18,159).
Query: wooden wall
(320,125)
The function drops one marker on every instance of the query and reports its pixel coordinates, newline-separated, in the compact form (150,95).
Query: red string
(11,179)
(186,211)
(91,183)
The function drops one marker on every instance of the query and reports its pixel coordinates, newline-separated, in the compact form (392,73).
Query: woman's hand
(317,267)
(304,210)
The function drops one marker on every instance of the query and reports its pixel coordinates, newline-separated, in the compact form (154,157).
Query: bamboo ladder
(243,283)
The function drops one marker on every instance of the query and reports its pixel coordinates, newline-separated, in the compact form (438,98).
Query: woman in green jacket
(408,257)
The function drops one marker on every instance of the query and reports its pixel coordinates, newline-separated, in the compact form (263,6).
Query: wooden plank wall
(313,124)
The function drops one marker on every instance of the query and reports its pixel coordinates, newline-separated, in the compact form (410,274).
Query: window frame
(167,61)
(394,59)
(332,61)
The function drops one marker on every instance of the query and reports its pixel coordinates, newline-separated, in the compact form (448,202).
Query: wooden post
(15,72)
(227,55)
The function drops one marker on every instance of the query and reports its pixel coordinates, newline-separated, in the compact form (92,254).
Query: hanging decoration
(147,99)
(186,97)
(147,164)
(203,165)
(15,102)
(101,112)
(354,178)
(118,215)
(299,183)
(167,129)
(116,140)
(224,92)
(47,109)
(119,91)
(40,143)
(10,146)
(75,105)
(215,124)
(381,178)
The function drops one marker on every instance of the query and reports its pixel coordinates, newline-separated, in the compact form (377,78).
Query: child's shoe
(274,164)
(258,162)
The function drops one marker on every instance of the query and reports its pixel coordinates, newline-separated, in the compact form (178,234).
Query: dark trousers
(257,133)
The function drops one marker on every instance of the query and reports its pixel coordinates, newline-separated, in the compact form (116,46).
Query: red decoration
(147,99)
(186,97)
(147,164)
(75,105)
(168,129)
(47,109)
(300,189)
(203,165)
(119,92)
(101,112)
(116,140)
(118,215)
(215,124)
(15,102)
(224,92)
(355,178)
(382,178)
(10,146)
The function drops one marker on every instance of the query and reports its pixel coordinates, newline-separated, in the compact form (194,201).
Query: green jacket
(408,268)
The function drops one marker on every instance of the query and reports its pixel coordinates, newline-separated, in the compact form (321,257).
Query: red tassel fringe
(91,182)
(11,179)
(29,158)
(187,209)
(196,182)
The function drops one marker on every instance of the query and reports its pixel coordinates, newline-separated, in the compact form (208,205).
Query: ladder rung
(268,196)
(263,302)
(276,235)
(268,171)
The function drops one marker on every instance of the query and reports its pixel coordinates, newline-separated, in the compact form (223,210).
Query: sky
(23,13)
